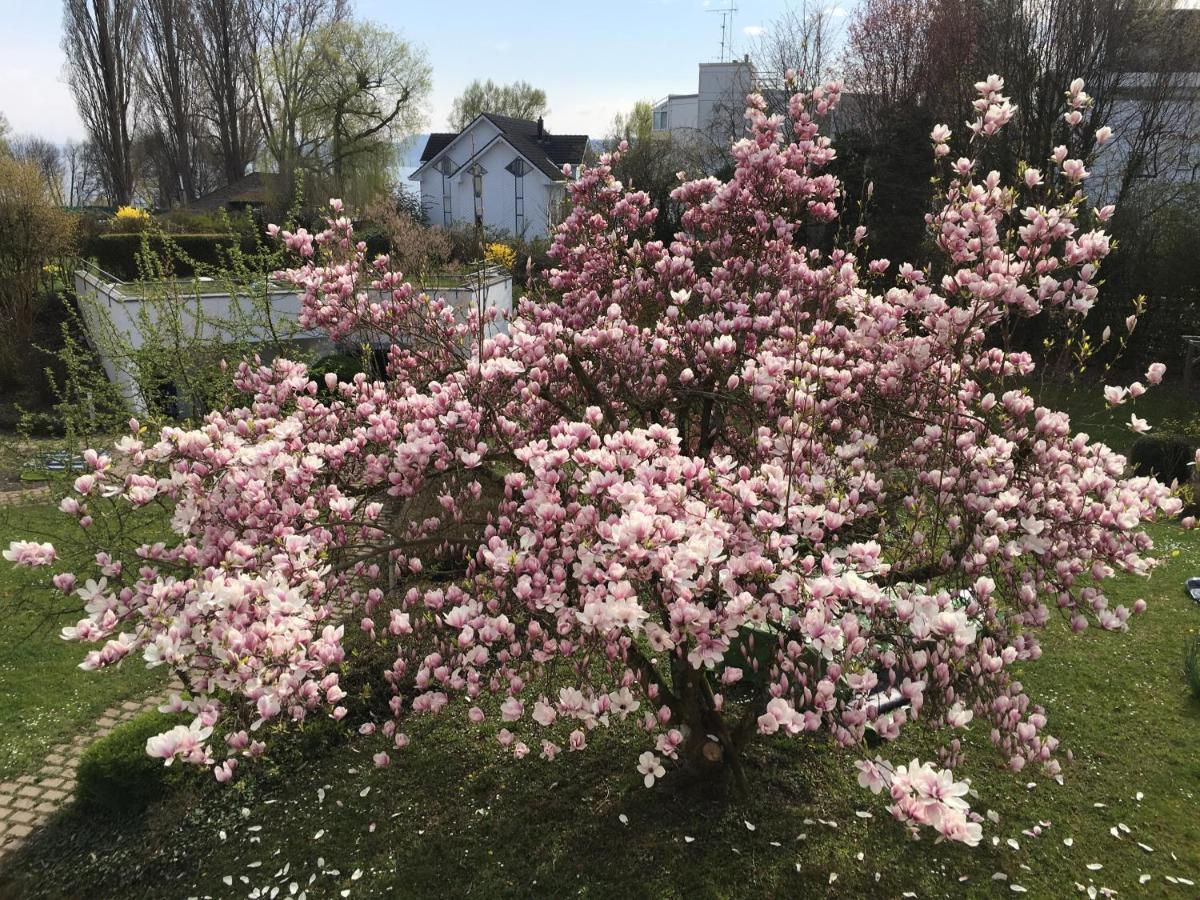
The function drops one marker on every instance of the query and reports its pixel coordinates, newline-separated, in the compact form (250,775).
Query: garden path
(29,800)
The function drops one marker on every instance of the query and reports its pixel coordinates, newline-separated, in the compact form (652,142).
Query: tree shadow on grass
(455,815)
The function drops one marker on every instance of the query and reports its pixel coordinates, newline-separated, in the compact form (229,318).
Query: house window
(446,167)
(518,167)
(477,173)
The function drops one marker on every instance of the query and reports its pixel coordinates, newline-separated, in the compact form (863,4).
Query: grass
(453,816)
(47,698)
(1084,400)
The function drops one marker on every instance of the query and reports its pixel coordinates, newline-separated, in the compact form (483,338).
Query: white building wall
(714,115)
(721,104)
(675,113)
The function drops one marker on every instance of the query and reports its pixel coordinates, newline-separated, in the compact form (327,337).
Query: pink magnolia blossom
(651,767)
(670,481)
(30,554)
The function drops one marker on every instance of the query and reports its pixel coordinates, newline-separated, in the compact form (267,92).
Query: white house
(502,172)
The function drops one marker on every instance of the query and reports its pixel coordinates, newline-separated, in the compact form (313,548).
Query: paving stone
(20,832)
(20,817)
(29,790)
(26,779)
(54,795)
(46,808)
(106,722)
(55,759)
(55,781)
(23,803)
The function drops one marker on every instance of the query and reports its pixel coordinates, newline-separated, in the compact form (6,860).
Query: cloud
(753,30)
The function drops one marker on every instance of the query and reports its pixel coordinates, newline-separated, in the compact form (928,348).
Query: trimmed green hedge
(1165,456)
(116,776)
(117,253)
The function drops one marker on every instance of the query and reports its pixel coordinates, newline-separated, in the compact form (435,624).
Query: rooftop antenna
(726,27)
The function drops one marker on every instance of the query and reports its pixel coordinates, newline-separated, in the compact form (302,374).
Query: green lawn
(47,698)
(453,817)
(1084,400)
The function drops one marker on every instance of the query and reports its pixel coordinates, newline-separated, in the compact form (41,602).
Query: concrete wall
(115,314)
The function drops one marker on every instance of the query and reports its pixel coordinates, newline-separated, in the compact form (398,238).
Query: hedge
(117,777)
(117,253)
(1168,457)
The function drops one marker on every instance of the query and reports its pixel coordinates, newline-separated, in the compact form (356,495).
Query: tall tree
(166,57)
(287,82)
(100,40)
(224,47)
(521,100)
(372,94)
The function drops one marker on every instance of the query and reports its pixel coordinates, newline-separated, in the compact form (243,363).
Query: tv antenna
(726,13)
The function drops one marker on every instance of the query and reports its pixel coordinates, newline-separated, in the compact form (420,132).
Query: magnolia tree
(730,487)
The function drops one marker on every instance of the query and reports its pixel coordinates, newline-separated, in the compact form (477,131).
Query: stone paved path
(25,495)
(29,800)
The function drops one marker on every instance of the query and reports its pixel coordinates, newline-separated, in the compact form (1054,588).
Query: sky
(591,65)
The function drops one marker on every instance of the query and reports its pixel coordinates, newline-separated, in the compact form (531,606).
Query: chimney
(541,132)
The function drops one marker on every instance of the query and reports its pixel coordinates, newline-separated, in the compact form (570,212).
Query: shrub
(34,233)
(129,219)
(1191,664)
(669,449)
(415,248)
(1167,457)
(499,254)
(118,254)
(115,774)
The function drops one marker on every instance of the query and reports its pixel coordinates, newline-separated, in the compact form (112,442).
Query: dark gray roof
(436,144)
(549,153)
(254,189)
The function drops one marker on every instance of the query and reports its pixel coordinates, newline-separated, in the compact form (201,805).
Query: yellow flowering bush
(130,218)
(498,254)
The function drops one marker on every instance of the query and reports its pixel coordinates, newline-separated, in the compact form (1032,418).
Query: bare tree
(165,68)
(81,174)
(100,39)
(887,56)
(224,46)
(801,41)
(46,157)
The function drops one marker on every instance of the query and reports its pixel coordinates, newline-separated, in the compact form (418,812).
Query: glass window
(477,173)
(446,167)
(518,167)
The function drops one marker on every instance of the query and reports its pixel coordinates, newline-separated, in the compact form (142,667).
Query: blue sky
(591,66)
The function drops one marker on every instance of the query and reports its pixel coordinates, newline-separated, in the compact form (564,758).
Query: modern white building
(715,112)
(500,172)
